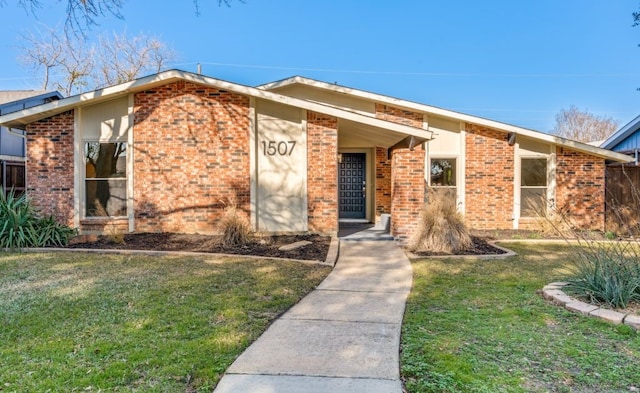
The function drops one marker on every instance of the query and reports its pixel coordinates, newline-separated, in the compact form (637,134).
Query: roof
(418,107)
(622,134)
(21,118)
(11,96)
(375,125)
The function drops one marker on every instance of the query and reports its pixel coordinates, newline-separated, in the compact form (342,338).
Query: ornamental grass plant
(442,228)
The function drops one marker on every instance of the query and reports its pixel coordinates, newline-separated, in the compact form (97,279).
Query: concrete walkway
(343,337)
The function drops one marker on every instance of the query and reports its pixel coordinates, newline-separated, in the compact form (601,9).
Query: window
(443,175)
(533,187)
(105,179)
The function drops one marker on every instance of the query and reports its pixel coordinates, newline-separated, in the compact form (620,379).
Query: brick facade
(322,173)
(191,157)
(489,169)
(407,191)
(580,188)
(398,115)
(50,166)
(383,182)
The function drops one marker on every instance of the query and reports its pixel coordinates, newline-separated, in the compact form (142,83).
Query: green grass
(87,322)
(480,326)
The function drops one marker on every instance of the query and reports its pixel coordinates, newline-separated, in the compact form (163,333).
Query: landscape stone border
(507,254)
(554,293)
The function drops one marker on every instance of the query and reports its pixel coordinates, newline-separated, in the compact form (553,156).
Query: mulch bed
(261,246)
(480,246)
(267,246)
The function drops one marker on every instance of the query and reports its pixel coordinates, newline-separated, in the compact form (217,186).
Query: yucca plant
(20,225)
(16,221)
(607,273)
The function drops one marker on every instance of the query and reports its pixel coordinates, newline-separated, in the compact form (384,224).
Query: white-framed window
(105,180)
(443,175)
(533,187)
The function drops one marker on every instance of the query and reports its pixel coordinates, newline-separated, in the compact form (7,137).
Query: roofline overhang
(428,109)
(21,118)
(621,134)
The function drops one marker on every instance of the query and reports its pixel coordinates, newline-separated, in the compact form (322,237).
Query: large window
(443,175)
(105,179)
(533,187)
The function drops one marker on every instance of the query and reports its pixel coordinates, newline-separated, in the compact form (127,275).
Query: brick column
(322,173)
(407,191)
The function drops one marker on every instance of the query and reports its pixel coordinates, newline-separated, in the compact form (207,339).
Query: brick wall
(580,188)
(398,115)
(191,156)
(407,192)
(50,166)
(322,172)
(383,182)
(489,179)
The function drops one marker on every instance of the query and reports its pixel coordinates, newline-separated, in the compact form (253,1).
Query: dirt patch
(267,246)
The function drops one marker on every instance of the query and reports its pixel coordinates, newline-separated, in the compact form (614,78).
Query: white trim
(414,106)
(26,116)
(78,170)
(12,158)
(462,192)
(305,177)
(253,164)
(130,165)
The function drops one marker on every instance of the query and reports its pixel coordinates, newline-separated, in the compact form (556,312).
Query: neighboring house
(12,144)
(169,151)
(626,140)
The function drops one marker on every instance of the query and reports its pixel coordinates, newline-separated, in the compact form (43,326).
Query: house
(169,151)
(12,144)
(626,140)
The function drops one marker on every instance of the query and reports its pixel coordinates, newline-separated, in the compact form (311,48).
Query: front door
(352,183)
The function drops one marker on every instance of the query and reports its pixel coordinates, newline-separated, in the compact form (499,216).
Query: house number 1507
(281,148)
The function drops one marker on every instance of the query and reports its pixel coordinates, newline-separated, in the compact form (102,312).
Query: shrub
(441,228)
(235,228)
(20,225)
(607,273)
(603,272)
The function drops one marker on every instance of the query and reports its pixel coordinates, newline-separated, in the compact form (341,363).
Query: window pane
(106,198)
(105,160)
(443,172)
(534,172)
(533,202)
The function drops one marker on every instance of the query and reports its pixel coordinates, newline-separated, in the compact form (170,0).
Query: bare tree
(83,14)
(121,59)
(71,64)
(583,126)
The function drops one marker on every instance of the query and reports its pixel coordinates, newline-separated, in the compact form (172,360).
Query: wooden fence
(622,212)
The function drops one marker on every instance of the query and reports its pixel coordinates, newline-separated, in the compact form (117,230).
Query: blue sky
(518,62)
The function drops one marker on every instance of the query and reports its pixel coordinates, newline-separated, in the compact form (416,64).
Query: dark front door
(352,183)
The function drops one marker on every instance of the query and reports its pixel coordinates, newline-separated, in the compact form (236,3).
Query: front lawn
(90,322)
(479,326)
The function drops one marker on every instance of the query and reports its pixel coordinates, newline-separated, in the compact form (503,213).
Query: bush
(20,225)
(607,273)
(604,271)
(235,228)
(441,228)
